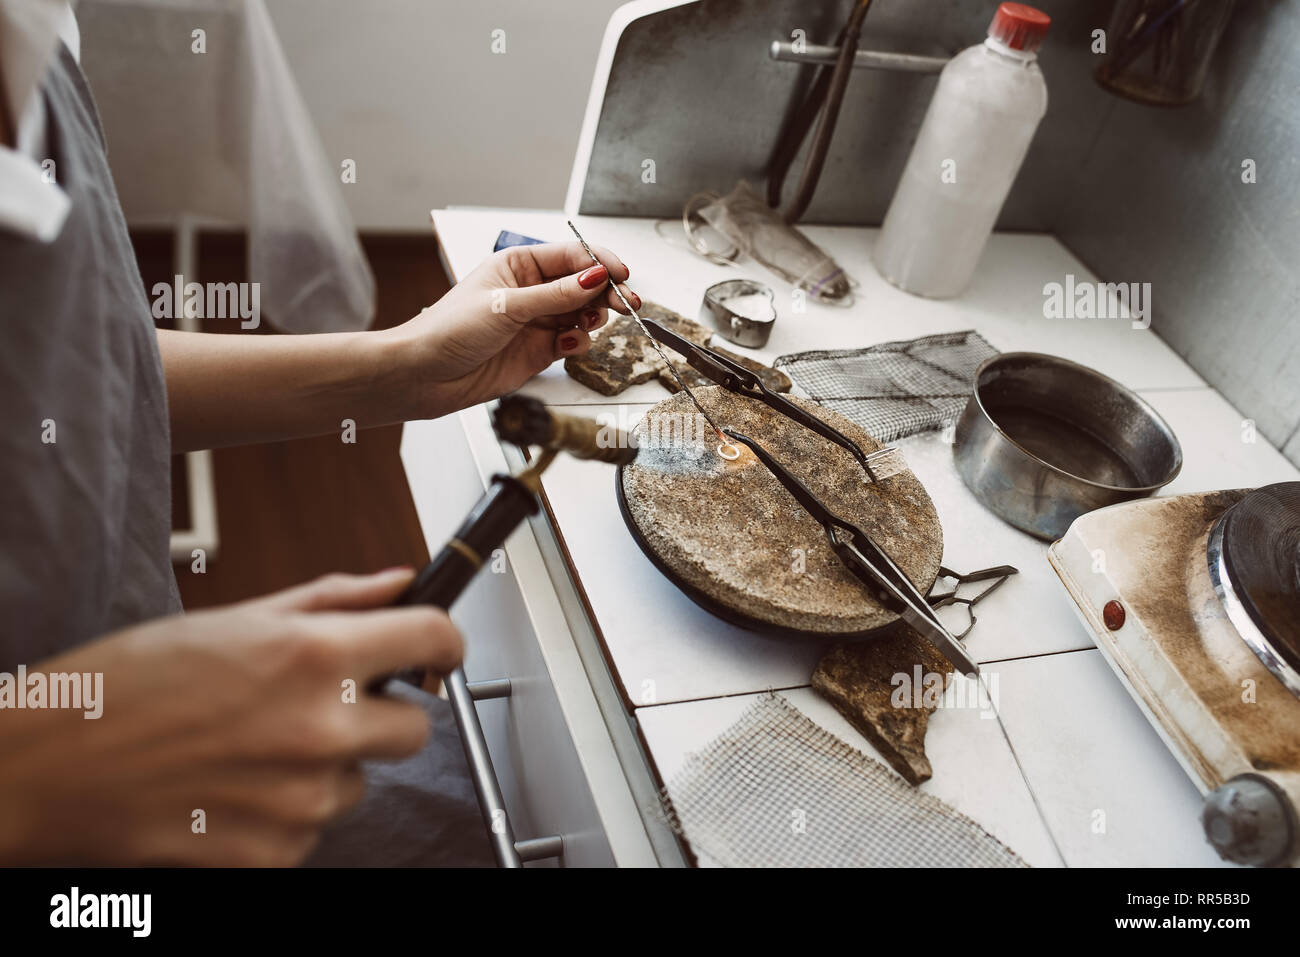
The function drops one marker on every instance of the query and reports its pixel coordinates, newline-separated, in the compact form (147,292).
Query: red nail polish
(636,300)
(590,317)
(568,343)
(593,277)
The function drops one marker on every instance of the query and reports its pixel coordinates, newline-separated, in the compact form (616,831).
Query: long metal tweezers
(868,563)
(736,378)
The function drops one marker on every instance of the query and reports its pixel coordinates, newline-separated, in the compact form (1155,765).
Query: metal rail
(863,59)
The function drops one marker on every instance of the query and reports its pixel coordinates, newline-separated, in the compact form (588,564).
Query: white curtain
(224,134)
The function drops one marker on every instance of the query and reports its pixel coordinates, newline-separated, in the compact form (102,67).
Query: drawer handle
(540,848)
(508,851)
(483,690)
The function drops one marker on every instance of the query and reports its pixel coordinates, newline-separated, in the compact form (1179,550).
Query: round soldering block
(731,537)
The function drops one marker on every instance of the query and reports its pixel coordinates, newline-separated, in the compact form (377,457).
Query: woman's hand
(250,720)
(519,311)
(509,319)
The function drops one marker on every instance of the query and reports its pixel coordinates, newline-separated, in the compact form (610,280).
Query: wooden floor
(289,511)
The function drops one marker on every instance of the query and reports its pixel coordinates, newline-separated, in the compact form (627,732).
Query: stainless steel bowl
(1043,440)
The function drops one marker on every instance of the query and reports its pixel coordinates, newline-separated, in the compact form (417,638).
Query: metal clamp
(508,851)
(863,59)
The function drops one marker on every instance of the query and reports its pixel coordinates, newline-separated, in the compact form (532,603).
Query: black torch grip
(498,513)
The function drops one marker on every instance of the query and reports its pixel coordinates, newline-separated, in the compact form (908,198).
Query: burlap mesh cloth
(893,389)
(777,790)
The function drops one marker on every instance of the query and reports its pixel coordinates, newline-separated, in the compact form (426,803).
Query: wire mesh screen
(777,790)
(894,389)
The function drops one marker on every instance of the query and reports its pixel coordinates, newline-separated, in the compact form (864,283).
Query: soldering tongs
(734,377)
(868,562)
(855,548)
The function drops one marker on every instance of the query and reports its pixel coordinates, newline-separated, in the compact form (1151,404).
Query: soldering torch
(503,507)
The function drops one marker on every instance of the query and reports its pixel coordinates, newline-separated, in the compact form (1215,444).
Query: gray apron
(85,519)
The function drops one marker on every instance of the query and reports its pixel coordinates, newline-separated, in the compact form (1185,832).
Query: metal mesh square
(893,389)
(777,790)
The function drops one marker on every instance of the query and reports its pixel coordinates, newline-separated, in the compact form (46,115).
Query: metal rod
(483,690)
(863,59)
(540,848)
(486,786)
(641,325)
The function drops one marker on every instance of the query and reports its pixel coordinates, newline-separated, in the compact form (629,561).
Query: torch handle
(498,513)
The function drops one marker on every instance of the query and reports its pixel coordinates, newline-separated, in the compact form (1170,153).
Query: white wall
(411,90)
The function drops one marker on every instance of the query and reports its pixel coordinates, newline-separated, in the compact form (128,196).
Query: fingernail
(593,277)
(590,317)
(569,343)
(636,300)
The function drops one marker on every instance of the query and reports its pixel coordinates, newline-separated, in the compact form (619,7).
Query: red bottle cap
(1019,26)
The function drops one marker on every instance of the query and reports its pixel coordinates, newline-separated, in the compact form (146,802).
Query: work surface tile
(974,770)
(1111,792)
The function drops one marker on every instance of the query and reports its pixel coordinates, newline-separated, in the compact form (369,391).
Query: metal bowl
(1043,440)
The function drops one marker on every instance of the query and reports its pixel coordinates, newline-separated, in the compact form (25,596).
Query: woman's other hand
(230,736)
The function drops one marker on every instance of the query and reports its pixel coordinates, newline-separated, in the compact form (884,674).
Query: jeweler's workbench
(616,675)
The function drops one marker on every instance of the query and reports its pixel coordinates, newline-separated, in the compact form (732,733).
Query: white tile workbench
(1068,748)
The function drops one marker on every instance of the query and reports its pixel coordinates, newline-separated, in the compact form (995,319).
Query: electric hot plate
(1196,606)
(732,539)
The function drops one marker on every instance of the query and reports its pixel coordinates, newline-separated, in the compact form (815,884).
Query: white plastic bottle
(972,142)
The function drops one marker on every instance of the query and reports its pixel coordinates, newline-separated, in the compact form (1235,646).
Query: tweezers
(868,562)
(736,378)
